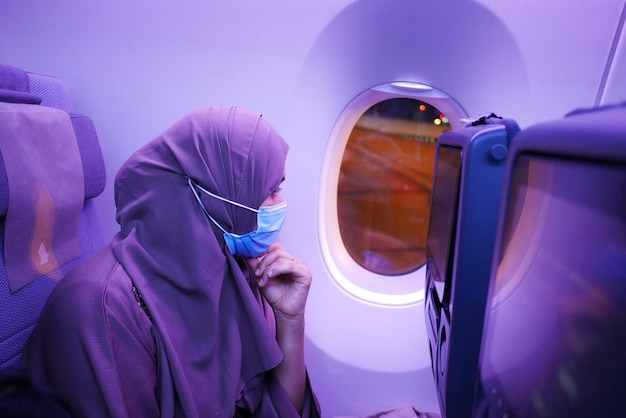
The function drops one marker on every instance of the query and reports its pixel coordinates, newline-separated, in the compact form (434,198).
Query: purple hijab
(214,342)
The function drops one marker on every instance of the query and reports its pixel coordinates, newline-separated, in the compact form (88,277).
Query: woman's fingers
(284,279)
(277,261)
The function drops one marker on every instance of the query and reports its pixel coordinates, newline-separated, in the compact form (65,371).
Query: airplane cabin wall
(614,90)
(135,67)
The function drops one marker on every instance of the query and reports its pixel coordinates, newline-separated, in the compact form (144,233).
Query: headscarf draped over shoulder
(213,340)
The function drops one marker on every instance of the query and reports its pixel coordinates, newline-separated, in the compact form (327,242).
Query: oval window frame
(352,278)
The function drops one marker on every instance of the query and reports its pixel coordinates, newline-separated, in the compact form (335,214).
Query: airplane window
(385,183)
(375,190)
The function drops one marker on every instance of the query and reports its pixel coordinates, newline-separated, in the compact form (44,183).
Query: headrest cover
(91,156)
(45,190)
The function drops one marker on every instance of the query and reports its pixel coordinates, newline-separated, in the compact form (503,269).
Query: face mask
(270,220)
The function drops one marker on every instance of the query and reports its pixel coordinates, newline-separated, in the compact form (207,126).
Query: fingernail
(257,272)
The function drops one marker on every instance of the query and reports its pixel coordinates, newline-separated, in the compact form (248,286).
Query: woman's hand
(283,279)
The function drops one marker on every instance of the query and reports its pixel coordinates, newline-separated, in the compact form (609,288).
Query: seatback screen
(440,243)
(555,320)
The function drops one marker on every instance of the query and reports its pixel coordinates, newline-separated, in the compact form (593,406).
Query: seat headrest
(19,86)
(91,157)
(13,79)
(15,86)
(14,96)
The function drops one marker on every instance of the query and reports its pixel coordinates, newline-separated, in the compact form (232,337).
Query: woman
(187,313)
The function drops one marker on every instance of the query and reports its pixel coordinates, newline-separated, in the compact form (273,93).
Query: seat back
(469,172)
(21,298)
(555,320)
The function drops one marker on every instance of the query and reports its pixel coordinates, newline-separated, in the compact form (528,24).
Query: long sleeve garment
(96,346)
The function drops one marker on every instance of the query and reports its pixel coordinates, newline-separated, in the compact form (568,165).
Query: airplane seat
(470,164)
(51,169)
(555,322)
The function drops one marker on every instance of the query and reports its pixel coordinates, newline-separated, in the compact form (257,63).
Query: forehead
(283,178)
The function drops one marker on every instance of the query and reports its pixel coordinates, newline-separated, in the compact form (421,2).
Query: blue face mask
(270,220)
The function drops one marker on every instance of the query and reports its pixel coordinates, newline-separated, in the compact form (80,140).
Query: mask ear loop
(223,199)
(206,212)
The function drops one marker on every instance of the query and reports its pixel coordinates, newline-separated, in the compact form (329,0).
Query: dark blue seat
(555,321)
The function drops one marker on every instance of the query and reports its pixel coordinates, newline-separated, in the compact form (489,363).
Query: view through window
(385,182)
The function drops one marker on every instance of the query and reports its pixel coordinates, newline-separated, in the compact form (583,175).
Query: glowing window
(376,192)
(385,183)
